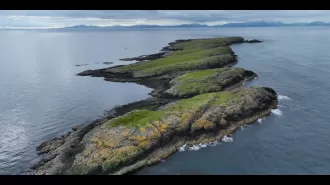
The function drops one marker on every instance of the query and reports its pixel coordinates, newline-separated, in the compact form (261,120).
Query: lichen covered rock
(143,137)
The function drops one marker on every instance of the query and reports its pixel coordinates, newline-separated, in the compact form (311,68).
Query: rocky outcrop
(198,97)
(143,137)
(184,55)
(81,65)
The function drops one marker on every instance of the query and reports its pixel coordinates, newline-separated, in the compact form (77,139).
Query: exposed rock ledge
(197,98)
(144,137)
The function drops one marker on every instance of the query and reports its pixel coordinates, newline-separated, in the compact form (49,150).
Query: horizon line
(177,25)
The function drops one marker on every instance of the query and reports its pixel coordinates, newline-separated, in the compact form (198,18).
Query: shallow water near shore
(42,98)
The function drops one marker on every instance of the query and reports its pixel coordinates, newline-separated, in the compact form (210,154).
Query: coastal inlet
(198,97)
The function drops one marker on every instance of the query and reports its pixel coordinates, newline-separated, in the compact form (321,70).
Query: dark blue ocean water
(41,97)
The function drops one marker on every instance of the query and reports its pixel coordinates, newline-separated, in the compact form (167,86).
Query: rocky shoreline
(198,97)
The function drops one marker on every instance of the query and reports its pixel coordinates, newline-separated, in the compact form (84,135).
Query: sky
(62,18)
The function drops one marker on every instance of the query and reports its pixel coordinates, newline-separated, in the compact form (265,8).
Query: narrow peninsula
(198,97)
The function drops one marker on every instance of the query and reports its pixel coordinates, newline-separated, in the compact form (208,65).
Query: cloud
(61,18)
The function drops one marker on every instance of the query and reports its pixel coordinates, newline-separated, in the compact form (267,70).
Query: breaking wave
(204,145)
(282,97)
(277,112)
(227,139)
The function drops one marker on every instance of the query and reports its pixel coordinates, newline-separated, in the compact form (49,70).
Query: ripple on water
(13,138)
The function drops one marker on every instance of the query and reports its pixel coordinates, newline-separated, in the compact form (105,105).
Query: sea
(42,97)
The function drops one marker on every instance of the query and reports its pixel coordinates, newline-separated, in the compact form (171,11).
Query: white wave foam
(213,143)
(259,120)
(194,148)
(277,112)
(197,147)
(282,97)
(227,139)
(183,148)
(204,145)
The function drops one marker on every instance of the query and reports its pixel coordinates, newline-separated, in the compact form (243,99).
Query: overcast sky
(62,18)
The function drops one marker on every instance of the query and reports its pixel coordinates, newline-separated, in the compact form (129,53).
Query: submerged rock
(253,41)
(108,63)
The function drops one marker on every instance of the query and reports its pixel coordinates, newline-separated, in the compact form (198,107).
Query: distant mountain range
(247,24)
(137,26)
(274,24)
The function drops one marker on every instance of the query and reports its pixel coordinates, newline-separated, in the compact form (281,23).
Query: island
(198,97)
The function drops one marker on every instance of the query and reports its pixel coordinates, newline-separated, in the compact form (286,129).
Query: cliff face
(198,98)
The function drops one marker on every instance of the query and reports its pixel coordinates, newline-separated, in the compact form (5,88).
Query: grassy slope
(140,118)
(205,81)
(195,54)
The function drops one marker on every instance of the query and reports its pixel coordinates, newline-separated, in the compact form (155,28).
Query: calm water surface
(41,97)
